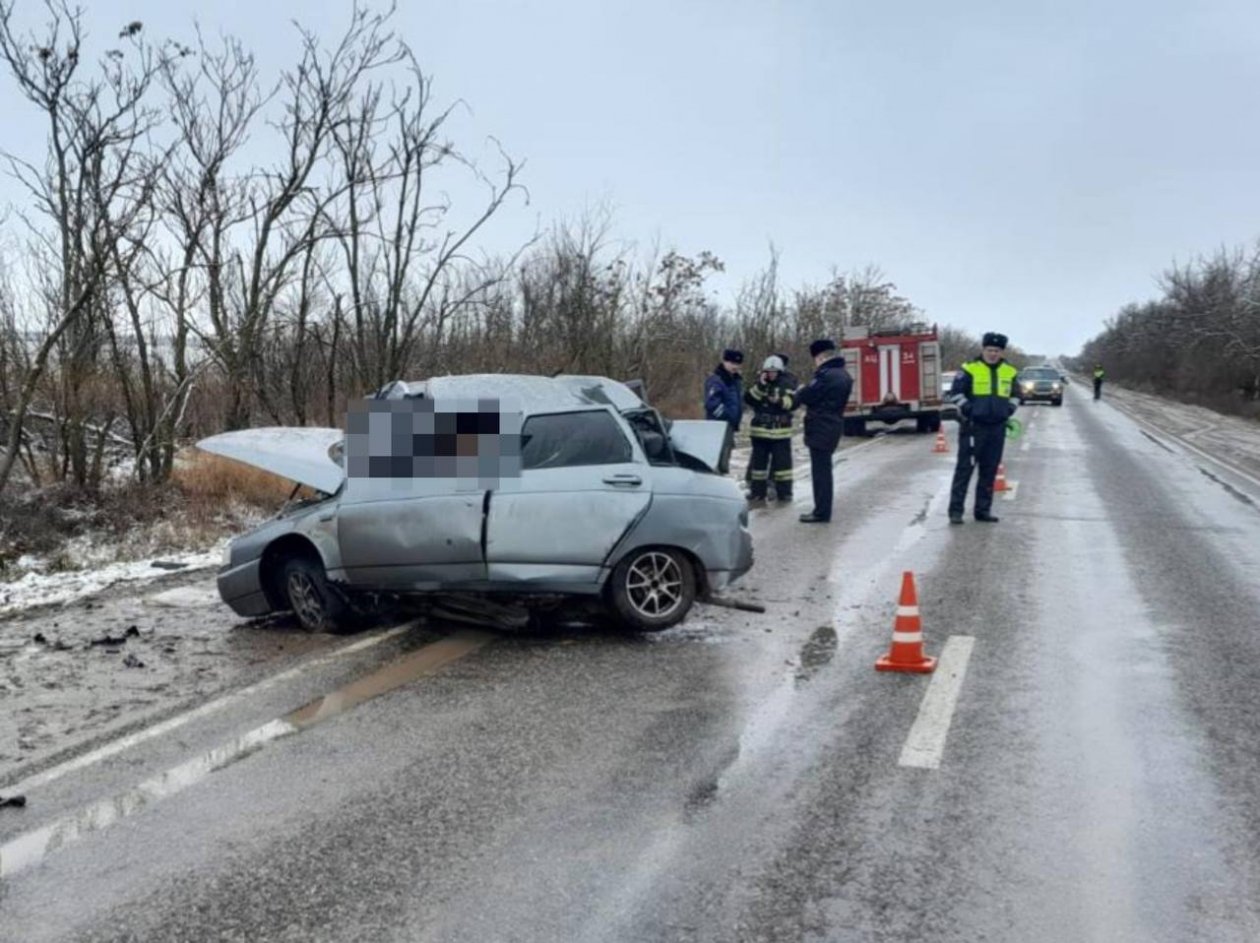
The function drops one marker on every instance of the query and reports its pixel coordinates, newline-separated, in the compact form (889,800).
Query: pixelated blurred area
(470,443)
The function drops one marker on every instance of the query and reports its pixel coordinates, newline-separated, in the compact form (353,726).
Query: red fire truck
(896,376)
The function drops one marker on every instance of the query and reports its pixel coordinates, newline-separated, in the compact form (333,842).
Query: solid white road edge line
(1181,441)
(115,747)
(926,742)
(32,847)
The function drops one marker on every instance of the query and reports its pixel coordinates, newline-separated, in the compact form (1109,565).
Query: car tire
(652,589)
(1057,402)
(315,604)
(854,428)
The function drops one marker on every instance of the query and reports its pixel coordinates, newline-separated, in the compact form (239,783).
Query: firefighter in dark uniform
(790,379)
(824,399)
(984,392)
(772,399)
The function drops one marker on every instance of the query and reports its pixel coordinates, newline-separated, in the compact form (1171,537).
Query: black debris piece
(167,565)
(111,640)
(12,802)
(132,632)
(131,661)
(39,639)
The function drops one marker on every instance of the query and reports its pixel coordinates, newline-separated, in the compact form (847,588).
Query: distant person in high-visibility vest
(772,398)
(1099,373)
(984,392)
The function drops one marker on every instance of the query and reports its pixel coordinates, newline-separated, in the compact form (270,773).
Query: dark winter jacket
(772,404)
(824,400)
(987,407)
(724,397)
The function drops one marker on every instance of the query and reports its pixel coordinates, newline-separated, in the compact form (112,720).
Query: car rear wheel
(653,589)
(317,606)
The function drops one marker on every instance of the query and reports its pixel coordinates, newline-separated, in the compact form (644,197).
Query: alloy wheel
(654,585)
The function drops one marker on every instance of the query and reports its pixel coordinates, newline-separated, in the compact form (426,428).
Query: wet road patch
(31,847)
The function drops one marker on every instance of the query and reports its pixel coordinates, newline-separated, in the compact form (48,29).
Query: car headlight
(1028,386)
(1055,387)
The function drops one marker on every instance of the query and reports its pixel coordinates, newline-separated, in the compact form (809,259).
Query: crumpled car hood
(702,439)
(301,454)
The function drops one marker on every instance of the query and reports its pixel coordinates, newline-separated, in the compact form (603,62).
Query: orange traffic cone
(941,445)
(906,653)
(1000,484)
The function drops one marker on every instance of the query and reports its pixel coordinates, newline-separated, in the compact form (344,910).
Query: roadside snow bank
(36,588)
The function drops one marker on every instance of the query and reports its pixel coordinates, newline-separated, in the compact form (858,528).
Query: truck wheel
(317,606)
(652,589)
(854,427)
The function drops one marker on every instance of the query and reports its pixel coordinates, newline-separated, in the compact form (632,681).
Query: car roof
(530,393)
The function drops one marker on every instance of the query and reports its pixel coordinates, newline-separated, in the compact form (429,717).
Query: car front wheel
(317,606)
(653,589)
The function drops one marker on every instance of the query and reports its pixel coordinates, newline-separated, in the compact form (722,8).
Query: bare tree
(93,183)
(404,255)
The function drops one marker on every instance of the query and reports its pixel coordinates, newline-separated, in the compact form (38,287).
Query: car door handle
(623,479)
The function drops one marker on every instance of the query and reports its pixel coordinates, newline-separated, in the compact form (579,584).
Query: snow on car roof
(531,393)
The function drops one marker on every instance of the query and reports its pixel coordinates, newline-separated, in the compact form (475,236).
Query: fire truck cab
(896,376)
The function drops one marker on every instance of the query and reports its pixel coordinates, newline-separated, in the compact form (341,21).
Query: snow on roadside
(36,588)
(1234,439)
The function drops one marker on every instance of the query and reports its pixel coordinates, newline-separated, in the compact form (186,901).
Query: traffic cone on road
(1000,483)
(906,653)
(941,445)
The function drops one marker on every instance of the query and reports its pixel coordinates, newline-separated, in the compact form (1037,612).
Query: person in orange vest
(984,392)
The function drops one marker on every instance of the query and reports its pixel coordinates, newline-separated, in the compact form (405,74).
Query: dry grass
(208,499)
(211,479)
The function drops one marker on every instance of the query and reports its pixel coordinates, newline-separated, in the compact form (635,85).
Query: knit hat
(822,345)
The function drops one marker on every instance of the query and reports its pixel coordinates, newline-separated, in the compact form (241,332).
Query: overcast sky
(1018,166)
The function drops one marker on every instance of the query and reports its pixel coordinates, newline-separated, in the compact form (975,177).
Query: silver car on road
(602,507)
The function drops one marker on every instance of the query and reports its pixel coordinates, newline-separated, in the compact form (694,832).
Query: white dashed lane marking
(925,745)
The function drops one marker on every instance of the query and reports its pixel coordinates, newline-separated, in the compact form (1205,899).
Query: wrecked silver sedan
(495,498)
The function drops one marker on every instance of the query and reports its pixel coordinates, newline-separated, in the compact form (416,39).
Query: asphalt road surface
(1081,766)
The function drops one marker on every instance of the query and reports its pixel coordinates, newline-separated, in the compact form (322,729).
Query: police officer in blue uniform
(724,399)
(984,392)
(824,399)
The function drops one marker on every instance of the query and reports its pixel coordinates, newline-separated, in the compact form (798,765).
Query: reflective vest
(772,418)
(982,379)
(1098,374)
